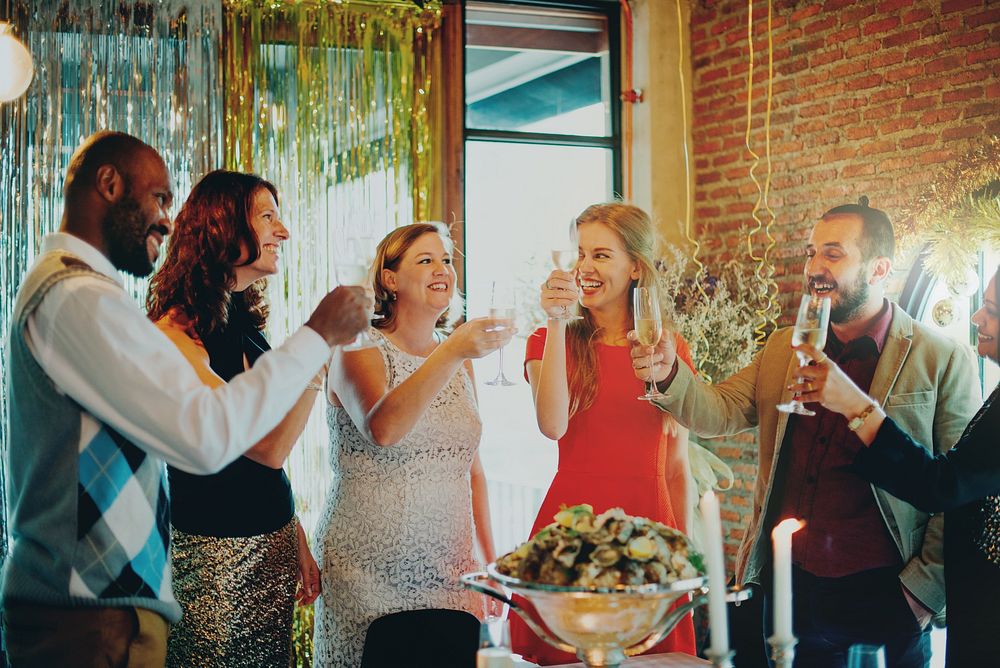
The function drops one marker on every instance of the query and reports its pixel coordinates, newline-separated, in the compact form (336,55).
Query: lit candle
(715,564)
(781,537)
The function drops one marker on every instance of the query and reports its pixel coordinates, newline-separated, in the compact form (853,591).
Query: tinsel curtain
(329,101)
(150,69)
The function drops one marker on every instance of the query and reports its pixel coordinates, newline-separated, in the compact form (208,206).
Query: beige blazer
(926,383)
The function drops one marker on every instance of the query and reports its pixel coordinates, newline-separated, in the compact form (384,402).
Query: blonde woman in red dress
(614,449)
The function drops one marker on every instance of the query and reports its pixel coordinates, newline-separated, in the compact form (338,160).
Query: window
(541,143)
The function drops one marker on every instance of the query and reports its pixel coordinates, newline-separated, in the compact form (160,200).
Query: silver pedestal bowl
(602,626)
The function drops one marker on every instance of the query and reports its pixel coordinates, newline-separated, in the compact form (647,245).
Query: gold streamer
(764,270)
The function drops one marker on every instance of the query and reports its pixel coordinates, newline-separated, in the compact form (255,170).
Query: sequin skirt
(238,597)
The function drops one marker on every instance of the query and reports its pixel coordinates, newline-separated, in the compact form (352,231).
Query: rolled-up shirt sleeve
(100,350)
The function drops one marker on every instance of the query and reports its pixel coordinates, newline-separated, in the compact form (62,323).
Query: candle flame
(787,527)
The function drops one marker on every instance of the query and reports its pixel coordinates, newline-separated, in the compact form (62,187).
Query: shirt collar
(878,330)
(62,241)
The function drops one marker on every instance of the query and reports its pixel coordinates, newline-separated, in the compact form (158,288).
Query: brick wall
(868,98)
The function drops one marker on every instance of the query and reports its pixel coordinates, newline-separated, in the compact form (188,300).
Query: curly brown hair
(199,272)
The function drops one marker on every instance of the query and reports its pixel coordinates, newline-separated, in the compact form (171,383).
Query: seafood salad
(581,549)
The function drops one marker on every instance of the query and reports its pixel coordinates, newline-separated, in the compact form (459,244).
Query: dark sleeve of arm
(907,470)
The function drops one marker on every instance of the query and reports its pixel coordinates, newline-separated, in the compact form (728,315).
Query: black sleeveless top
(245,498)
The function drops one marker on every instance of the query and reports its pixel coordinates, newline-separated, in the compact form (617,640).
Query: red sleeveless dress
(612,455)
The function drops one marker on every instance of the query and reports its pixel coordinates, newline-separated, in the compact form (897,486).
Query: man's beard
(125,232)
(853,297)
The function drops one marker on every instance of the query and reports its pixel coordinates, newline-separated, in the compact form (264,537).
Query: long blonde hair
(635,229)
(388,255)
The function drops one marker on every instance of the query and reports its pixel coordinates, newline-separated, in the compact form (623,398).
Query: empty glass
(866,656)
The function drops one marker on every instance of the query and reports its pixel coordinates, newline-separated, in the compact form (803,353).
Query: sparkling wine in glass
(352,270)
(503,308)
(810,327)
(565,255)
(648,330)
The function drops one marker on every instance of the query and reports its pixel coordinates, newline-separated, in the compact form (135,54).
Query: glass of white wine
(502,307)
(352,269)
(565,255)
(810,327)
(648,330)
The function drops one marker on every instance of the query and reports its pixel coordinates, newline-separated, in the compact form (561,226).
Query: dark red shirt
(844,531)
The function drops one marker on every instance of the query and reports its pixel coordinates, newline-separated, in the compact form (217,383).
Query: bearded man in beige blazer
(867,567)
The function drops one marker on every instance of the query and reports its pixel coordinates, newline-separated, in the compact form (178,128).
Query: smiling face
(835,266)
(265,220)
(987,322)
(425,277)
(605,271)
(135,225)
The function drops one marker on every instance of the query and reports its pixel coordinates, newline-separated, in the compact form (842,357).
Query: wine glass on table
(353,270)
(810,327)
(503,307)
(648,331)
(565,255)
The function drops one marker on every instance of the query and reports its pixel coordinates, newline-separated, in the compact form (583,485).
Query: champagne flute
(810,327)
(648,330)
(565,256)
(866,656)
(352,270)
(502,307)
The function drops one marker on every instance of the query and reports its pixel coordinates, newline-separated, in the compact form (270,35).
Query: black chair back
(422,639)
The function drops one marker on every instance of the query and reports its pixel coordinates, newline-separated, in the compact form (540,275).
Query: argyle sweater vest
(89,512)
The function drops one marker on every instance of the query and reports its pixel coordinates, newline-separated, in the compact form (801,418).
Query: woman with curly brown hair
(237,547)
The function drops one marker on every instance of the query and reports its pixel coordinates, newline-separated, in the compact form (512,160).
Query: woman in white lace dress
(408,490)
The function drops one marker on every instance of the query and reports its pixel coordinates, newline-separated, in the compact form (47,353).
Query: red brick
(923,51)
(897,124)
(867,81)
(881,25)
(844,35)
(825,57)
(856,13)
(992,53)
(829,90)
(840,153)
(980,109)
(894,164)
(861,48)
(876,147)
(908,71)
(949,6)
(805,12)
(860,132)
(993,91)
(989,16)
(916,16)
(702,47)
(713,75)
(918,103)
(862,169)
(824,138)
(847,69)
(880,112)
(934,157)
(843,119)
(820,25)
(968,75)
(893,6)
(724,25)
(813,110)
(806,160)
(886,58)
(965,132)
(739,207)
(707,211)
(808,127)
(899,38)
(710,177)
(962,94)
(935,116)
(926,84)
(943,64)
(833,5)
(725,159)
(968,38)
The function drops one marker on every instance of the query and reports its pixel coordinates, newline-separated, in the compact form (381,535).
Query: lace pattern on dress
(397,530)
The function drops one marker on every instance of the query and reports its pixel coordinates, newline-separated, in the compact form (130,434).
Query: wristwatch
(855,423)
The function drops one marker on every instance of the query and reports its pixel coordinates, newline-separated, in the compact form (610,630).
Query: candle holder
(724,660)
(782,651)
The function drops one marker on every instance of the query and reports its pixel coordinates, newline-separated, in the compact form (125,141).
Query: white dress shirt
(104,353)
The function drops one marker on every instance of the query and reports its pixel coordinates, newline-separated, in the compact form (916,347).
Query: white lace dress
(396,531)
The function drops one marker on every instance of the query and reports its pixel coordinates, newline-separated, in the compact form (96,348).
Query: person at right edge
(867,567)
(965,482)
